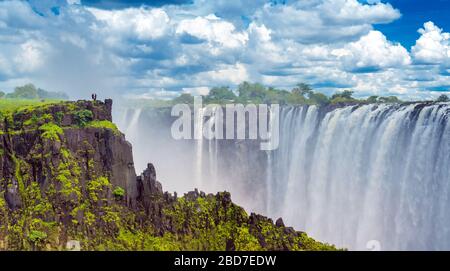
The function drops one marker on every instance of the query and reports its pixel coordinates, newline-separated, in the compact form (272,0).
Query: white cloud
(328,43)
(31,56)
(214,30)
(143,23)
(325,21)
(74,39)
(226,75)
(5,69)
(262,48)
(19,14)
(372,51)
(433,46)
(352,11)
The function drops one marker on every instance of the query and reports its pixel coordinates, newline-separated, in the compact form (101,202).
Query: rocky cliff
(67,173)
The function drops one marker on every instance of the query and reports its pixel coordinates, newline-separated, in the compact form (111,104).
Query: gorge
(347,174)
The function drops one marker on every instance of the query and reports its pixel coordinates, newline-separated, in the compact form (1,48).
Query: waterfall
(366,173)
(198,136)
(345,175)
(132,129)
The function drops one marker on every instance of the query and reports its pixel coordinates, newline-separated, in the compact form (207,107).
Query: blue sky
(414,14)
(158,48)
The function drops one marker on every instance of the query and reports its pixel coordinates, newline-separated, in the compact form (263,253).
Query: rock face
(97,150)
(67,173)
(109,152)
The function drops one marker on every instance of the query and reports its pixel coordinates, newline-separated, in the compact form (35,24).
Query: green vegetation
(37,236)
(119,192)
(184,98)
(51,131)
(246,92)
(82,117)
(220,95)
(103,124)
(213,223)
(30,92)
(443,98)
(51,117)
(9,105)
(256,93)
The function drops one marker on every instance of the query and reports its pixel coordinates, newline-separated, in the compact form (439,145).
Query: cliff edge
(67,175)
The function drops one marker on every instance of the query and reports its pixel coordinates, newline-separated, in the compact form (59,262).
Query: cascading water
(345,175)
(198,136)
(367,173)
(132,128)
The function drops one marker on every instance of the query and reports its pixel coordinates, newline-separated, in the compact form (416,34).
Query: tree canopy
(220,94)
(30,92)
(443,98)
(302,93)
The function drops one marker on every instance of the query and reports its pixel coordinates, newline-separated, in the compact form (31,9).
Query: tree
(44,94)
(184,98)
(318,98)
(27,91)
(220,94)
(443,98)
(276,96)
(389,99)
(2,94)
(346,94)
(251,92)
(302,89)
(372,99)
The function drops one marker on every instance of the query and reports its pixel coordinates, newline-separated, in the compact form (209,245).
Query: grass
(105,124)
(10,105)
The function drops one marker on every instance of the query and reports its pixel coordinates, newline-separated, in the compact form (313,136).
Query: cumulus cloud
(214,30)
(19,15)
(144,24)
(31,56)
(372,52)
(325,21)
(433,46)
(117,4)
(234,74)
(112,47)
(352,11)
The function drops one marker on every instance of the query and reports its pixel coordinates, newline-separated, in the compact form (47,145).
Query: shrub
(105,124)
(82,117)
(119,192)
(443,98)
(51,131)
(37,236)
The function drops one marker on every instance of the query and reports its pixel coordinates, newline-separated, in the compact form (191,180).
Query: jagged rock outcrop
(67,173)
